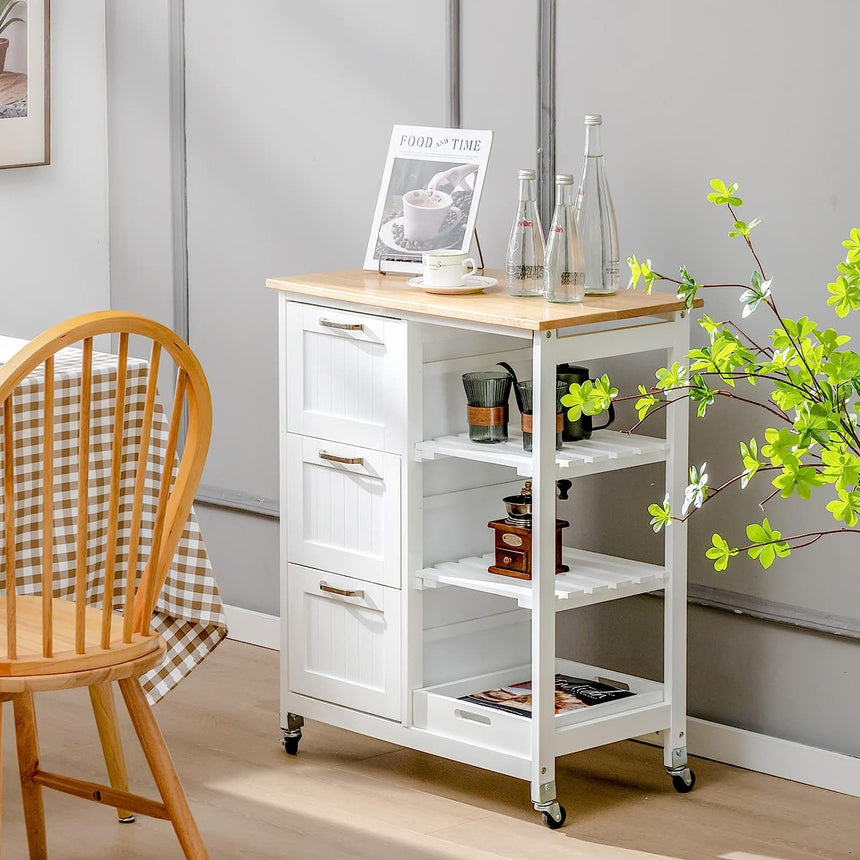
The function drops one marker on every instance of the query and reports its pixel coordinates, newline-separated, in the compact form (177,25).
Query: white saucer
(471,284)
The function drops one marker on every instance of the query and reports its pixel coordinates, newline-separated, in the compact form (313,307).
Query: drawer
(345,376)
(343,509)
(344,641)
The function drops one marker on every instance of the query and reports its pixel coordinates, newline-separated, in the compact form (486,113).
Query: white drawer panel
(344,648)
(345,376)
(343,516)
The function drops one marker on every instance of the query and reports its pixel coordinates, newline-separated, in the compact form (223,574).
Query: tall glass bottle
(595,217)
(525,259)
(564,270)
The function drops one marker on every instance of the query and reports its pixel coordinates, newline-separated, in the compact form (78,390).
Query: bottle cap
(526,174)
(563,179)
(593,119)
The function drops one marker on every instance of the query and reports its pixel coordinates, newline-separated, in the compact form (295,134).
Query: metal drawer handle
(333,458)
(344,326)
(331,590)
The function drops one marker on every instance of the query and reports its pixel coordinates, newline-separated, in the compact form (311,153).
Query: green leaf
(694,494)
(701,394)
(669,378)
(577,398)
(641,270)
(645,403)
(845,295)
(852,243)
(781,446)
(752,464)
(661,515)
(720,552)
(846,508)
(797,479)
(768,545)
(758,293)
(724,194)
(712,328)
(841,467)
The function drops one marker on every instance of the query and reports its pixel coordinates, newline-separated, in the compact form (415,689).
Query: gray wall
(688,92)
(54,219)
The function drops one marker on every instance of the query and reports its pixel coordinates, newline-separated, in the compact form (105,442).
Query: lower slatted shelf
(593,578)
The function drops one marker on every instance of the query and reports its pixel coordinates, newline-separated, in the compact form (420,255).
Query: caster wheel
(681,785)
(551,822)
(291,744)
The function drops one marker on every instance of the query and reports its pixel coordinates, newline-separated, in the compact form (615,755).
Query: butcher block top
(492,307)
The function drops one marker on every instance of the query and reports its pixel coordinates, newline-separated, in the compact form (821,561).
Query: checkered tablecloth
(188,613)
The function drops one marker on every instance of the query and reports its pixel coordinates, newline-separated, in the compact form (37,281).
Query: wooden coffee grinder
(514,535)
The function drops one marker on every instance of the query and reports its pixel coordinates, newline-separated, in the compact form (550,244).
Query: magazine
(429,195)
(571,694)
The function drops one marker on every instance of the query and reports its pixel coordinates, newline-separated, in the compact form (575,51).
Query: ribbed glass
(526,398)
(488,388)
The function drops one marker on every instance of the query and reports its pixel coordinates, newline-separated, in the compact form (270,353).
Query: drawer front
(345,376)
(343,509)
(344,641)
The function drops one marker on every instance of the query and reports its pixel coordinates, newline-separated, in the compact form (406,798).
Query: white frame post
(543,788)
(675,605)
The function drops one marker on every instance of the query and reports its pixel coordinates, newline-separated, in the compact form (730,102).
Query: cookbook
(571,694)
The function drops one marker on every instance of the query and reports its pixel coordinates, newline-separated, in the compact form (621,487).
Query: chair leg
(28,764)
(101,696)
(163,770)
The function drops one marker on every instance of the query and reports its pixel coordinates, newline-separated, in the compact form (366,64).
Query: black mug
(581,428)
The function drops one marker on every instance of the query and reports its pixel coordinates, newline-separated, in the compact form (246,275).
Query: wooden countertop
(492,307)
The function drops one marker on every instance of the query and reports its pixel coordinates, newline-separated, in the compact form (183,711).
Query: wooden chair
(54,644)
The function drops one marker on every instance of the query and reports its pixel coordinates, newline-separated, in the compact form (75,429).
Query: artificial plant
(804,380)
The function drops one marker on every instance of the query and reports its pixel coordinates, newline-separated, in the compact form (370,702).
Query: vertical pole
(546,108)
(453,79)
(675,606)
(543,570)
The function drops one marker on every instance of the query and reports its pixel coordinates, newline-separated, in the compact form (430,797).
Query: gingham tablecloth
(188,613)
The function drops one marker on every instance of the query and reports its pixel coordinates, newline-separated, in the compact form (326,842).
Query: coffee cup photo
(424,213)
(447,268)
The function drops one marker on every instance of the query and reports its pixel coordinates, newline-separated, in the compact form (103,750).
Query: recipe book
(571,694)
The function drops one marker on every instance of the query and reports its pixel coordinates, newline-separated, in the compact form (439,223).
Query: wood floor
(345,796)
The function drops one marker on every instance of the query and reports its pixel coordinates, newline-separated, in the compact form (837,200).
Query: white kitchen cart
(390,615)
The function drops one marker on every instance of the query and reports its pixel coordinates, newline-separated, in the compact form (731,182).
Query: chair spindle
(9,527)
(83,498)
(48,513)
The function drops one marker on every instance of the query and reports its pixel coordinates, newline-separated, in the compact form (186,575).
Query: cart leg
(293,733)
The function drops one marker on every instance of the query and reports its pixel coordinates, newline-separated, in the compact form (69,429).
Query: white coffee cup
(447,268)
(424,212)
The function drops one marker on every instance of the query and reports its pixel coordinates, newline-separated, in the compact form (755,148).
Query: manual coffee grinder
(514,535)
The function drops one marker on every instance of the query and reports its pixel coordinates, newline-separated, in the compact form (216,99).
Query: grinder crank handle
(563,488)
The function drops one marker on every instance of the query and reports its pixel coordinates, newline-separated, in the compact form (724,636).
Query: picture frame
(429,195)
(24,83)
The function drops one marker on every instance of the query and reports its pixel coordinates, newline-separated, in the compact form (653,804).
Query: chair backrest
(109,465)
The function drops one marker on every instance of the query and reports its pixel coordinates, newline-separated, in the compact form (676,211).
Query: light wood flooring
(345,796)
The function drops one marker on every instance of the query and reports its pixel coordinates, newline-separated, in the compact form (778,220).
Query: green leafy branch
(805,378)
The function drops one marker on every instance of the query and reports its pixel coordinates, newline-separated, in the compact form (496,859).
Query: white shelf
(593,578)
(605,451)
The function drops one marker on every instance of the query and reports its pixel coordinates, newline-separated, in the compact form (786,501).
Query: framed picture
(24,83)
(429,195)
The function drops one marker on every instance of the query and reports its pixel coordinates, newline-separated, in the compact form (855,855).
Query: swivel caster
(291,743)
(554,815)
(684,781)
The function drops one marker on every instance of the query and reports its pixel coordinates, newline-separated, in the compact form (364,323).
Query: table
(188,613)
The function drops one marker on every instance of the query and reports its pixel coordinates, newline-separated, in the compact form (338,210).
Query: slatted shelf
(605,451)
(593,578)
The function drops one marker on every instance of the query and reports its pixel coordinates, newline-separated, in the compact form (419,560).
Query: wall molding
(255,628)
(726,744)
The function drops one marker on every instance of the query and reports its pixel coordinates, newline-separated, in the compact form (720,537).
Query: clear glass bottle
(564,270)
(595,217)
(525,258)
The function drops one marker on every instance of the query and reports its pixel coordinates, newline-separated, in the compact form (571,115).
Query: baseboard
(773,756)
(749,750)
(255,628)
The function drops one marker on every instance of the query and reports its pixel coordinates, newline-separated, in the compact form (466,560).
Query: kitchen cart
(389,612)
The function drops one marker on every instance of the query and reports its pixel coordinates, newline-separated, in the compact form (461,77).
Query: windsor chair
(58,642)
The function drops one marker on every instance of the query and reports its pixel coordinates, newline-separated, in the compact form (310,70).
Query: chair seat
(65,659)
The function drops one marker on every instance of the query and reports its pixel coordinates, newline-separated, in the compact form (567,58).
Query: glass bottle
(525,258)
(564,271)
(595,217)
